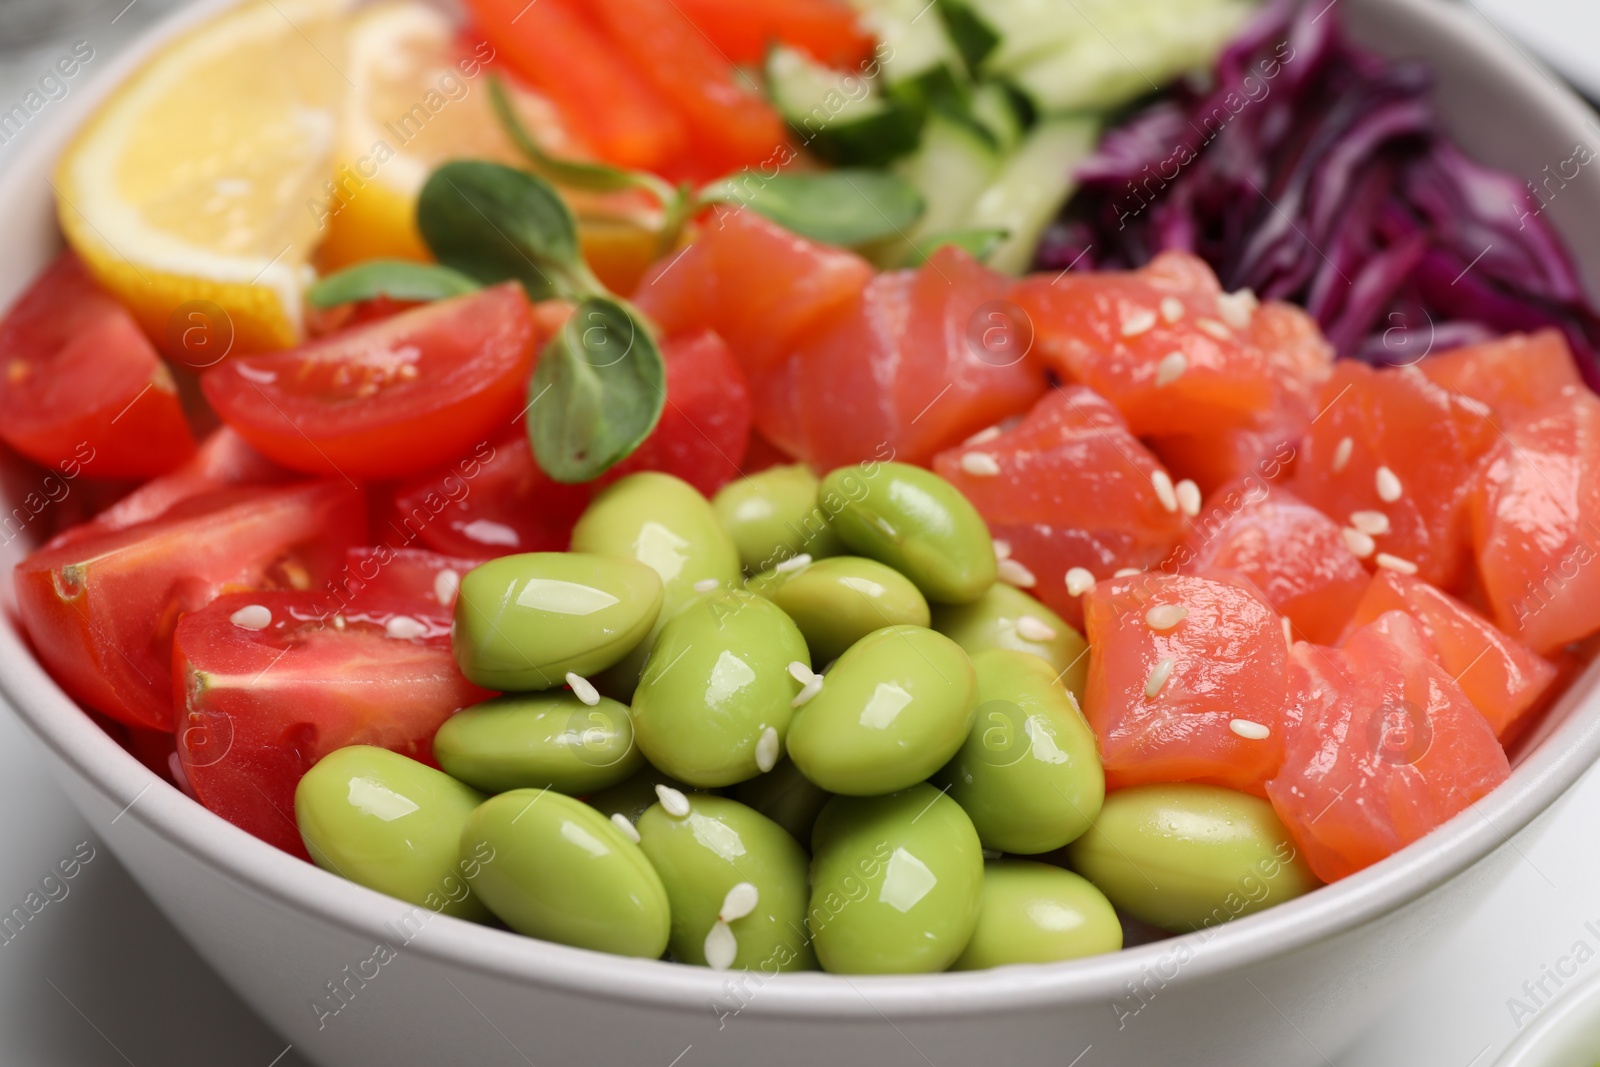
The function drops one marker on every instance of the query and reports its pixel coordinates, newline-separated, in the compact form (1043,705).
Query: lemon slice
(197,179)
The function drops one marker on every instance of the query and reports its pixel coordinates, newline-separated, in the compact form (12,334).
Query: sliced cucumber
(969,31)
(839,116)
(994,108)
(952,168)
(1031,188)
(914,37)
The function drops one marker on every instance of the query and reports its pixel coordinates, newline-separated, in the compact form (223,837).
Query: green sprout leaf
(979,243)
(397,279)
(842,207)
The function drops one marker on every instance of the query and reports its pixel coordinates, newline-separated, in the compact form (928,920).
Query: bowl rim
(1536,782)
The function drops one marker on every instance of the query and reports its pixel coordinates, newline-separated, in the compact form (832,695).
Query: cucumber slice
(952,168)
(840,117)
(917,46)
(994,108)
(969,31)
(1031,188)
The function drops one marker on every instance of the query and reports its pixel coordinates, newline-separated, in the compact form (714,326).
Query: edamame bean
(564,873)
(1029,772)
(1035,913)
(713,707)
(1186,856)
(894,709)
(392,824)
(896,883)
(838,601)
(917,523)
(1006,617)
(633,798)
(702,857)
(523,622)
(773,515)
(547,740)
(785,796)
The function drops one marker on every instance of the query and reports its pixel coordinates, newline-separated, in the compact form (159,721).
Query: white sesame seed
(1341,453)
(630,831)
(1158,676)
(1359,543)
(583,688)
(1171,368)
(1079,581)
(1395,563)
(1473,404)
(1250,731)
(1126,572)
(1031,628)
(1236,309)
(706,585)
(807,691)
(1138,322)
(1188,495)
(1002,549)
(801,673)
(1214,328)
(740,901)
(339,624)
(1288,633)
(767,750)
(721,947)
(1388,483)
(1165,616)
(446,584)
(794,563)
(404,628)
(673,802)
(252,617)
(980,464)
(1371,523)
(1171,308)
(1016,574)
(1164,489)
(983,436)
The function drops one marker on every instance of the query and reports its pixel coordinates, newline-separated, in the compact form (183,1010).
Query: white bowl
(1565,1034)
(1290,986)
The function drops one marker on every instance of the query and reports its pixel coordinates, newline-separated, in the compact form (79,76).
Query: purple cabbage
(1311,170)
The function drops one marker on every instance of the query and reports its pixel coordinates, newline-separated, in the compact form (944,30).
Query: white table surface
(101,978)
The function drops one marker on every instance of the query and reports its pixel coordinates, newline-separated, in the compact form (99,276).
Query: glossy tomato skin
(1383,747)
(388,399)
(378,572)
(256,708)
(1226,659)
(80,383)
(100,611)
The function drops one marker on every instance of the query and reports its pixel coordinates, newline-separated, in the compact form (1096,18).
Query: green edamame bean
(785,796)
(564,873)
(718,681)
(664,523)
(894,709)
(773,515)
(1186,856)
(1006,617)
(547,740)
(392,824)
(917,523)
(1029,772)
(704,854)
(896,883)
(838,601)
(522,622)
(1035,913)
(633,798)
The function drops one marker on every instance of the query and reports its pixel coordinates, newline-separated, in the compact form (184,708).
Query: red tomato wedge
(389,399)
(1412,453)
(760,287)
(101,610)
(556,47)
(743,31)
(1074,489)
(1536,526)
(1502,678)
(1290,551)
(269,684)
(379,572)
(1515,375)
(80,385)
(1179,661)
(1382,748)
(917,365)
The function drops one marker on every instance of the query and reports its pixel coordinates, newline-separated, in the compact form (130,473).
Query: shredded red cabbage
(1315,171)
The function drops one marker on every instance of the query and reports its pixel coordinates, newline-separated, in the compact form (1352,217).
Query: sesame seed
(807,691)
(1171,308)
(1473,404)
(1188,495)
(1388,483)
(983,436)
(1079,581)
(673,802)
(630,831)
(252,617)
(1138,322)
(1250,731)
(705,585)
(404,628)
(980,465)
(1002,549)
(740,901)
(801,673)
(339,624)
(1126,572)
(1015,573)
(583,688)
(721,947)
(1158,676)
(767,750)
(1395,563)
(1214,328)
(1236,309)
(1171,368)
(1164,489)
(1359,543)
(1030,628)
(1341,453)
(446,584)
(1165,616)
(1288,633)
(1371,523)
(794,563)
